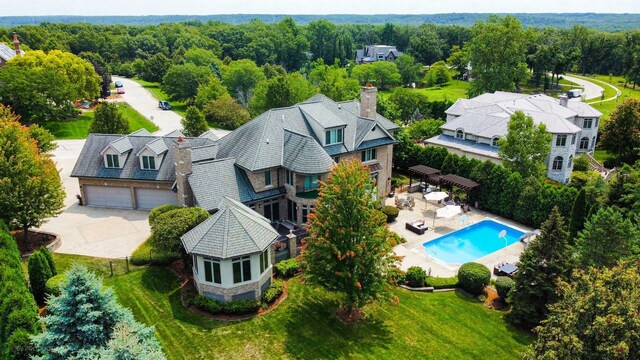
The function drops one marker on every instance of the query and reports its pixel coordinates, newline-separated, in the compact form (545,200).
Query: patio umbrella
(435,196)
(446,212)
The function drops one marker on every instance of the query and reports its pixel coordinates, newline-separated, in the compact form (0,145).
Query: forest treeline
(607,22)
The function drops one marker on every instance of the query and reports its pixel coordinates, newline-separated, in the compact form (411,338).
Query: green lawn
(78,128)
(452,91)
(155,89)
(607,107)
(441,325)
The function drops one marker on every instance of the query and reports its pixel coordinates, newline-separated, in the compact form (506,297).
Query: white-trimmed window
(148,163)
(368,155)
(573,139)
(557,163)
(561,140)
(459,134)
(570,162)
(494,141)
(289,178)
(241,269)
(267,178)
(212,271)
(584,143)
(333,136)
(306,210)
(264,260)
(587,123)
(113,160)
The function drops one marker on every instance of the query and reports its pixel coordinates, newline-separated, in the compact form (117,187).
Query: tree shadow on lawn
(314,331)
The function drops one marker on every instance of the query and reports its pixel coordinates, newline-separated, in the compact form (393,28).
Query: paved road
(108,233)
(146,104)
(591,90)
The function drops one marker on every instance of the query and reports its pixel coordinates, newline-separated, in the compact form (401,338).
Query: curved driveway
(590,90)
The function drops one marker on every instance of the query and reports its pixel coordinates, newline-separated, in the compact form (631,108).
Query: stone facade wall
(228,293)
(183,166)
(368,102)
(384,156)
(565,152)
(131,184)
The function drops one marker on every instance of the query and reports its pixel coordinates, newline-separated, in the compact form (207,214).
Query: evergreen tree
(108,120)
(547,260)
(49,256)
(39,273)
(596,317)
(132,340)
(347,251)
(81,319)
(607,238)
(194,123)
(578,214)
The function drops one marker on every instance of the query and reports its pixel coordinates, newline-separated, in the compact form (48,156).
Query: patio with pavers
(413,251)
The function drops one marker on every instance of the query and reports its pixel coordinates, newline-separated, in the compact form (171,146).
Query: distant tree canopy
(42,86)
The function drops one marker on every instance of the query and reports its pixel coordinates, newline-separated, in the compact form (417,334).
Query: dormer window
(333,136)
(494,141)
(113,161)
(148,163)
(459,134)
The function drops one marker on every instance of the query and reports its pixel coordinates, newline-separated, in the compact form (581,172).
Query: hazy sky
(207,7)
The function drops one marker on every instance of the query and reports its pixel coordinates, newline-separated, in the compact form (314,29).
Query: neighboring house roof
(211,181)
(370,53)
(234,230)
(260,143)
(464,145)
(209,135)
(90,163)
(7,52)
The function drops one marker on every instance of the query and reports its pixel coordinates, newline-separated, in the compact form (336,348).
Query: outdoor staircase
(595,165)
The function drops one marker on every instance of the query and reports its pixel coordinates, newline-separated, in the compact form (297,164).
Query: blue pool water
(472,242)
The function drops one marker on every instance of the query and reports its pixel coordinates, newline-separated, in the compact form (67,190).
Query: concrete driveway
(108,233)
(590,90)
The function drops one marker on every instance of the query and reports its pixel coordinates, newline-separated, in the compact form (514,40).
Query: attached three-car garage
(121,197)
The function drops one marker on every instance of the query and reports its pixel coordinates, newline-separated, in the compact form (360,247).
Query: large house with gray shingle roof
(474,126)
(272,164)
(373,53)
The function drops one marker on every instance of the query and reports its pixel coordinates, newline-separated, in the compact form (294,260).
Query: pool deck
(413,251)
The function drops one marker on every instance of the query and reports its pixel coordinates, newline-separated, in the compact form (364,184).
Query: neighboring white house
(474,126)
(373,53)
(232,253)
(7,53)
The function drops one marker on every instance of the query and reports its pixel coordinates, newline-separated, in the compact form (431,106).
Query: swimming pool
(472,242)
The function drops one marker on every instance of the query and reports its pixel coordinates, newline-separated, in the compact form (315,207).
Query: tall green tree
(578,213)
(43,138)
(458,60)
(526,146)
(226,112)
(408,68)
(280,91)
(240,78)
(194,123)
(607,238)
(334,81)
(30,186)
(382,73)
(426,46)
(547,259)
(154,68)
(497,55)
(347,251)
(621,134)
(181,81)
(212,90)
(321,35)
(107,119)
(595,318)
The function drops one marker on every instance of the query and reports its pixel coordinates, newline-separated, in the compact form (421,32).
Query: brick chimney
(368,100)
(183,168)
(16,43)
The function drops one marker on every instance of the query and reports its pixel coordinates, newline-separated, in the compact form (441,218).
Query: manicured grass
(441,325)
(607,107)
(602,155)
(155,89)
(453,90)
(78,128)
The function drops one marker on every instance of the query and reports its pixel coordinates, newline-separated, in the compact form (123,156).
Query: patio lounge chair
(418,226)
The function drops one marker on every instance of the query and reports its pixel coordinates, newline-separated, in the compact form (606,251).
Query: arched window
(459,134)
(584,143)
(557,163)
(570,162)
(494,141)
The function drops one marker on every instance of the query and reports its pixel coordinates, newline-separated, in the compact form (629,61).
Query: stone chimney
(564,100)
(183,168)
(368,99)
(16,43)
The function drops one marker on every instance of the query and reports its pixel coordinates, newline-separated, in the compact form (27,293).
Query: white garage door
(116,197)
(150,198)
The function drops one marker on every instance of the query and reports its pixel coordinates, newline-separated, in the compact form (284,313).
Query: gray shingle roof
(157,146)
(203,153)
(584,109)
(175,133)
(465,145)
(234,230)
(7,52)
(302,154)
(121,144)
(209,135)
(211,181)
(90,162)
(141,132)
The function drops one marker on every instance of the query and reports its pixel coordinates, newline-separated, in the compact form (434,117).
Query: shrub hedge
(504,285)
(473,277)
(53,284)
(273,292)
(146,254)
(397,276)
(39,273)
(18,310)
(442,283)
(415,276)
(171,225)
(391,212)
(395,239)
(287,268)
(157,211)
(231,307)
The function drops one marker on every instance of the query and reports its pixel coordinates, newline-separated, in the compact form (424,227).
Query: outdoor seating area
(505,269)
(418,226)
(405,203)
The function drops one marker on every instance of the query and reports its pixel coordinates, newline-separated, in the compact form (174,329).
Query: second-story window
(113,161)
(459,134)
(289,179)
(561,140)
(267,178)
(587,123)
(333,136)
(148,163)
(369,155)
(573,139)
